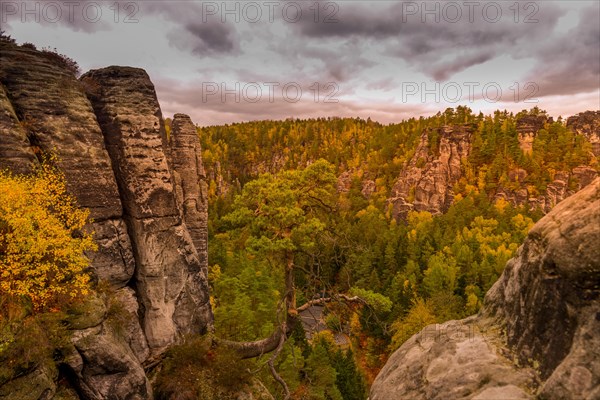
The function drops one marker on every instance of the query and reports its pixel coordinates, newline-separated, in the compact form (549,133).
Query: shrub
(4,37)
(31,342)
(197,370)
(62,60)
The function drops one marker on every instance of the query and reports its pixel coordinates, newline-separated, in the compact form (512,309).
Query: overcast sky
(234,61)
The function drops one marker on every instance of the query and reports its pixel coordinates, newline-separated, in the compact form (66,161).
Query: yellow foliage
(500,205)
(420,315)
(522,223)
(41,240)
(355,325)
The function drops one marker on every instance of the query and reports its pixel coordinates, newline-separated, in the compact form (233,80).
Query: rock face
(190,182)
(527,128)
(426,183)
(48,102)
(565,184)
(108,136)
(538,333)
(548,297)
(102,363)
(16,153)
(169,279)
(587,124)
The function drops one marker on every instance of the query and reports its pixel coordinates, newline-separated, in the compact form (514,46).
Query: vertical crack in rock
(169,279)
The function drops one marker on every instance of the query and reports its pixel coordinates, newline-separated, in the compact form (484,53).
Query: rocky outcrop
(58,118)
(427,179)
(169,280)
(587,124)
(538,333)
(426,183)
(565,184)
(527,127)
(102,364)
(16,153)
(548,297)
(114,160)
(190,182)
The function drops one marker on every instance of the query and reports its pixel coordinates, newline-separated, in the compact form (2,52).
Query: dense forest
(412,272)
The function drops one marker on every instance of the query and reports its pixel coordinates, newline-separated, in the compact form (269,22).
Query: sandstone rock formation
(527,128)
(587,124)
(169,280)
(102,364)
(190,182)
(426,183)
(16,153)
(58,118)
(565,184)
(112,152)
(548,297)
(538,333)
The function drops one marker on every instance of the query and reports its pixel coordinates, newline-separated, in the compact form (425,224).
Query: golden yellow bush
(42,242)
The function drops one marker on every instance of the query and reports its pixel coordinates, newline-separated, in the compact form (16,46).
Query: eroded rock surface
(587,124)
(16,153)
(101,362)
(118,169)
(548,296)
(454,360)
(426,183)
(169,280)
(527,127)
(190,182)
(57,118)
(538,333)
(565,184)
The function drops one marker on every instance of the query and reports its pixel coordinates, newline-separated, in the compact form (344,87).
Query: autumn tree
(42,242)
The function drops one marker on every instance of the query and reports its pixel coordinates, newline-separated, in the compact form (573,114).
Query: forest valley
(286,232)
(300,218)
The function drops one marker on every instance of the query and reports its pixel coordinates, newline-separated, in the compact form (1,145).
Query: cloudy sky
(232,61)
